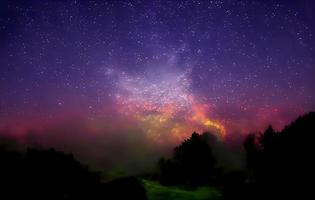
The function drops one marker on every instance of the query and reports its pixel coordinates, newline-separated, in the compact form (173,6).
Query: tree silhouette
(48,174)
(192,163)
(282,162)
(268,139)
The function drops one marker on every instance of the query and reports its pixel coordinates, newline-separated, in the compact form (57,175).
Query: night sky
(160,67)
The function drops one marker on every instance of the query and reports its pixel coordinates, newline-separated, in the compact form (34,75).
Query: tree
(268,139)
(283,162)
(192,163)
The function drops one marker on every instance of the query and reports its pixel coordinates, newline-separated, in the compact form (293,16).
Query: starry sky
(164,68)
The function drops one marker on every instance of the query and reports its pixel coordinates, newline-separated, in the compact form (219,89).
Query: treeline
(280,165)
(41,174)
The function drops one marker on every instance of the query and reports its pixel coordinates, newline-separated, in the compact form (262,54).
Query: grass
(155,191)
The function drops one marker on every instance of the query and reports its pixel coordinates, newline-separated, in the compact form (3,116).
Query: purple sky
(163,67)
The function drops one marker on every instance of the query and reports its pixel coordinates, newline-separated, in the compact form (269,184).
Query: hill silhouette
(49,174)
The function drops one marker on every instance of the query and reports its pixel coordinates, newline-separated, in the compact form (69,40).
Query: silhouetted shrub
(234,185)
(124,188)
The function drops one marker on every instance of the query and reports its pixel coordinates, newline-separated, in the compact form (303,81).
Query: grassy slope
(155,191)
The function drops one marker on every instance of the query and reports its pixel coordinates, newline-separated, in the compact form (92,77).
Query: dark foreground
(280,165)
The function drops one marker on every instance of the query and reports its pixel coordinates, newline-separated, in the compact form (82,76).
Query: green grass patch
(156,191)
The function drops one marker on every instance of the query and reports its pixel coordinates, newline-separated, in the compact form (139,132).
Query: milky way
(172,67)
(163,102)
